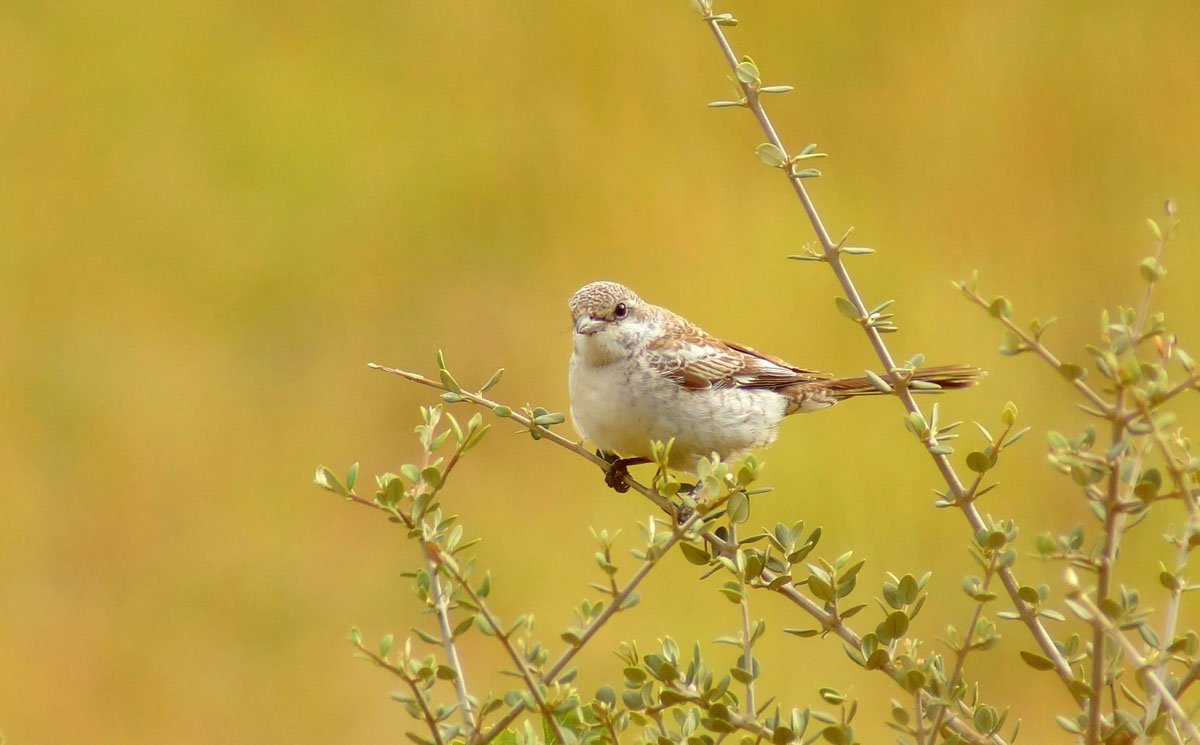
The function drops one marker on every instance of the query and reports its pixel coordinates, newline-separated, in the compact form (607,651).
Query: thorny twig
(832,250)
(958,722)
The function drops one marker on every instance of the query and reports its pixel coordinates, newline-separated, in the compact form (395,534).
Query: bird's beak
(587,325)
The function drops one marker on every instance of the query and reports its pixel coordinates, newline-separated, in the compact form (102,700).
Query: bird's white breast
(623,405)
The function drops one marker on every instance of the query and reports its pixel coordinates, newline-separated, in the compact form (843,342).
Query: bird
(641,373)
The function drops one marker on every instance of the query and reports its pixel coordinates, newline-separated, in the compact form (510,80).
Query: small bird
(641,373)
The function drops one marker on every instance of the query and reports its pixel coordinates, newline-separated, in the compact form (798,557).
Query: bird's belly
(622,408)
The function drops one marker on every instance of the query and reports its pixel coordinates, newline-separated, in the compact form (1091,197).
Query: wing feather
(697,360)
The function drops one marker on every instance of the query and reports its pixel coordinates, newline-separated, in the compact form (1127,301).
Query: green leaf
(1151,269)
(771,155)
(546,420)
(326,479)
(847,309)
(607,694)
(747,72)
(502,411)
(979,462)
(492,380)
(820,588)
(1036,661)
(838,735)
(985,719)
(1009,415)
(893,627)
(831,695)
(464,626)
(694,554)
(738,508)
(1071,371)
(1016,436)
(449,382)
(1001,307)
(1070,725)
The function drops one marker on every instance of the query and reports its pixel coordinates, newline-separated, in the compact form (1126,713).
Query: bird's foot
(618,470)
(683,513)
(614,477)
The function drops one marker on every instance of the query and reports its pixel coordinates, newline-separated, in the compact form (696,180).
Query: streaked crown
(598,299)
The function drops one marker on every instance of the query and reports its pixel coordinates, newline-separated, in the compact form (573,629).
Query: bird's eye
(620,310)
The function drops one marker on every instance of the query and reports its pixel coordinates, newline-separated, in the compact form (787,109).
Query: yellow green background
(213,215)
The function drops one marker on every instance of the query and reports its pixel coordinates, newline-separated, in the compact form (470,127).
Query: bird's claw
(683,513)
(615,475)
(618,469)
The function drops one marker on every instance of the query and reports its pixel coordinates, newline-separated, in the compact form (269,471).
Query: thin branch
(1183,483)
(960,654)
(441,609)
(1190,383)
(1177,711)
(719,547)
(522,666)
(1184,486)
(1113,525)
(747,645)
(527,421)
(1170,622)
(1044,352)
(919,712)
(1191,676)
(612,607)
(832,255)
(418,694)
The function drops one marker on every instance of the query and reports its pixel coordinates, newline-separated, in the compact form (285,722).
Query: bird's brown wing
(697,360)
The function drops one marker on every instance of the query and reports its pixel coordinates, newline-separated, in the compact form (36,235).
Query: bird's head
(611,321)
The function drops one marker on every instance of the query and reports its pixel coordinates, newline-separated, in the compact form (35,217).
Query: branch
(419,695)
(1191,382)
(747,641)
(441,608)
(613,606)
(719,546)
(1113,525)
(960,654)
(527,421)
(832,255)
(1096,616)
(1042,351)
(502,637)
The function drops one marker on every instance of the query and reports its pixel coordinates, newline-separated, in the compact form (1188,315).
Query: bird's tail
(944,377)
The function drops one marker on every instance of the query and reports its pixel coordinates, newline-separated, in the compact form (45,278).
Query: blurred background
(214,214)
